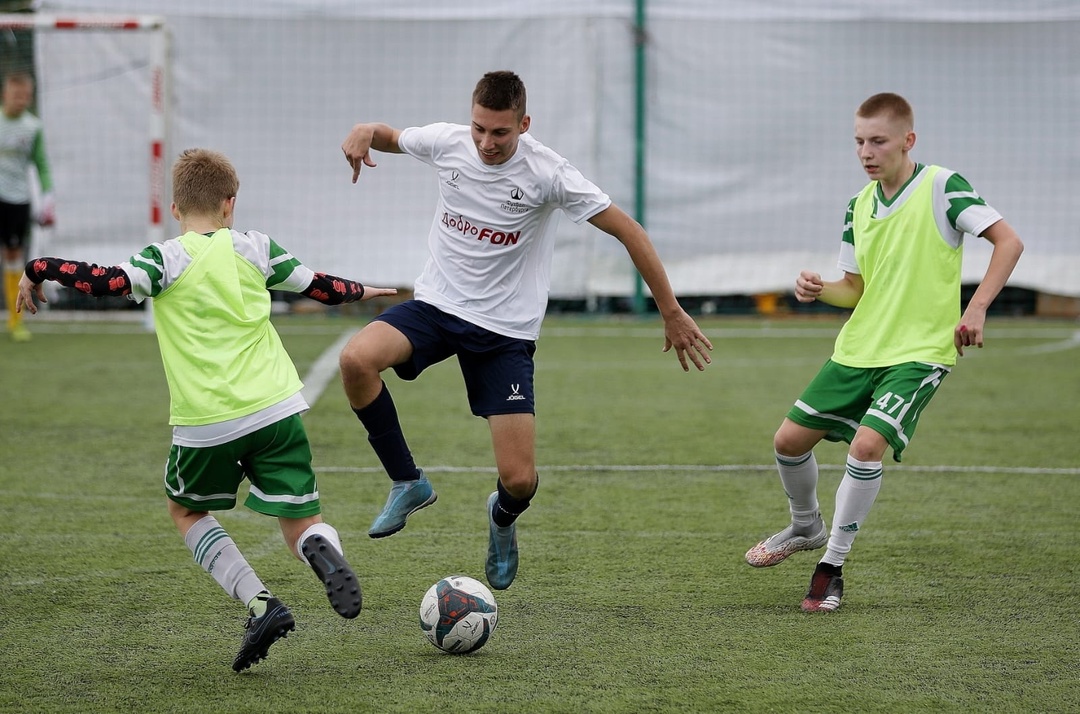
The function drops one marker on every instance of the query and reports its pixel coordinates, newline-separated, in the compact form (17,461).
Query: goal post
(102,93)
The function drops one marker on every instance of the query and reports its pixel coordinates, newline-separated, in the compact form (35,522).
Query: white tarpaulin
(749,160)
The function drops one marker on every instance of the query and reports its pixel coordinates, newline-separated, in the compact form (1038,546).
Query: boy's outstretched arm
(94,280)
(680,330)
(332,290)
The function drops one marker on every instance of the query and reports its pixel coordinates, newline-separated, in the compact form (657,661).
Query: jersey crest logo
(514,205)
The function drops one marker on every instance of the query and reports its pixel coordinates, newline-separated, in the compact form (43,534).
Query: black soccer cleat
(262,632)
(826,589)
(342,587)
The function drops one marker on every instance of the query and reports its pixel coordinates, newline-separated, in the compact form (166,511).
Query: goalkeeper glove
(47,211)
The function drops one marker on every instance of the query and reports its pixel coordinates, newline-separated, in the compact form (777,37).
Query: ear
(175,213)
(909,141)
(525,122)
(227,208)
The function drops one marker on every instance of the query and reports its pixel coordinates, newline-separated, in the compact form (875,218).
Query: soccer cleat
(405,499)
(502,557)
(262,632)
(19,333)
(342,587)
(778,547)
(826,589)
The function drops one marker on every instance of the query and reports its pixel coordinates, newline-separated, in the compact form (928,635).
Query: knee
(781,443)
(521,483)
(184,517)
(861,451)
(356,367)
(793,440)
(868,445)
(350,361)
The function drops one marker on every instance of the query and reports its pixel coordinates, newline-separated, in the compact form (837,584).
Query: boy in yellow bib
(901,257)
(235,399)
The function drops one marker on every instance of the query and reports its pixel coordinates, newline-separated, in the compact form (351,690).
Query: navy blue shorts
(498,370)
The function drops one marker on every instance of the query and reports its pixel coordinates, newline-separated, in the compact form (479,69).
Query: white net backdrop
(750,160)
(94,94)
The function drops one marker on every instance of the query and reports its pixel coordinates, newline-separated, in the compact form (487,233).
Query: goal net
(101,93)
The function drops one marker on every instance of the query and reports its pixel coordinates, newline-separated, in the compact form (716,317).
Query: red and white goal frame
(159,54)
(154,28)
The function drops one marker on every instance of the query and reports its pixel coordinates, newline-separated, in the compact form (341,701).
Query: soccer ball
(458,614)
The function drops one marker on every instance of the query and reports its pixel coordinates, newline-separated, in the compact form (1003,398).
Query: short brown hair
(889,104)
(19,76)
(499,91)
(202,179)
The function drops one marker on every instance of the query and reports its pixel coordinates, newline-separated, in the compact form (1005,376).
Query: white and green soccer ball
(458,614)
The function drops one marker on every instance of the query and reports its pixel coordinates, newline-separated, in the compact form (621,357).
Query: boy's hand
(370,292)
(970,330)
(27,290)
(808,286)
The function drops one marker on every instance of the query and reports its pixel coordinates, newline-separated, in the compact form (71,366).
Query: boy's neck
(890,190)
(201,224)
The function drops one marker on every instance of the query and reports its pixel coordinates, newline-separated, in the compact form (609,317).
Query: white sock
(218,555)
(799,476)
(854,497)
(326,530)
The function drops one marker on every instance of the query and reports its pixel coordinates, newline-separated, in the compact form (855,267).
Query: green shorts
(276,459)
(889,400)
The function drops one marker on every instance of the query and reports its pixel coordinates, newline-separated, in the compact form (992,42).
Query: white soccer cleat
(778,547)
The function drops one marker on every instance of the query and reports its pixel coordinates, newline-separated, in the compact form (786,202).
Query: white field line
(715,468)
(591,468)
(324,369)
(130,322)
(768,332)
(272,544)
(1069,344)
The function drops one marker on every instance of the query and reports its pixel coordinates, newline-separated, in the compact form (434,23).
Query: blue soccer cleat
(406,498)
(502,557)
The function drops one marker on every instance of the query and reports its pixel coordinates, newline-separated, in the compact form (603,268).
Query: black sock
(507,508)
(384,434)
(829,568)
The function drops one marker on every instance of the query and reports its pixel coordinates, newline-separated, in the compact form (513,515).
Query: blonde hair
(888,104)
(201,180)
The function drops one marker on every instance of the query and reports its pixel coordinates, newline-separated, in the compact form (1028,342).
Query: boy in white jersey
(483,294)
(22,144)
(235,399)
(901,257)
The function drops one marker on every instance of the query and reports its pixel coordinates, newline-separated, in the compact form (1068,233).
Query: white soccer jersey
(21,145)
(493,234)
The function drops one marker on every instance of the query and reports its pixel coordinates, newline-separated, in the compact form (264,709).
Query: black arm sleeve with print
(88,278)
(332,290)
